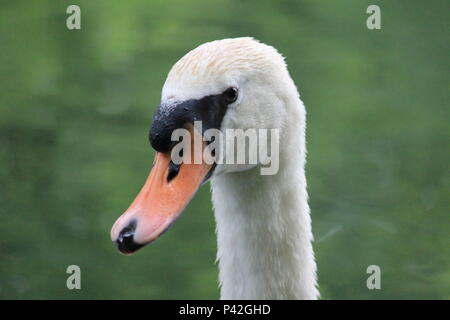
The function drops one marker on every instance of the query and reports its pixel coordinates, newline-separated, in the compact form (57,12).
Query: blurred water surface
(75,107)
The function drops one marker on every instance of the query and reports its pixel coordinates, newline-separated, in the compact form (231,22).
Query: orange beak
(161,200)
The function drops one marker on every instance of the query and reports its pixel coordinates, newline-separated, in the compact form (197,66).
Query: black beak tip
(125,241)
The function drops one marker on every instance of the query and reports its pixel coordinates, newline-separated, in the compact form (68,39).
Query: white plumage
(263,222)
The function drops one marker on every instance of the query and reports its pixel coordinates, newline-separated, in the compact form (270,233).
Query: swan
(263,224)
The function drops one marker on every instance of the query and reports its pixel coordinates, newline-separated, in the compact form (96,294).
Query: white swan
(263,223)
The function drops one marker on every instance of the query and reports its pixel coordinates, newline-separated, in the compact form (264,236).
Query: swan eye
(230,94)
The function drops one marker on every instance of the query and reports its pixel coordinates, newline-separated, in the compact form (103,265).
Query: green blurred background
(75,108)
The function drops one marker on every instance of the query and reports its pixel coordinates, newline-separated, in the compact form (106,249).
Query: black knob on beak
(125,241)
(210,110)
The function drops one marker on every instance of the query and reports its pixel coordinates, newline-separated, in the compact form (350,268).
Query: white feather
(263,222)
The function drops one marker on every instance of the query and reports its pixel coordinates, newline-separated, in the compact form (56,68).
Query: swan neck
(264,231)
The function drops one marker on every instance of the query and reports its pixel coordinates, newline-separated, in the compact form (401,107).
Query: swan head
(226,85)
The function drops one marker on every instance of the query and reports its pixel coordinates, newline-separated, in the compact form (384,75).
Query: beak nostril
(125,241)
(128,230)
(173,171)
